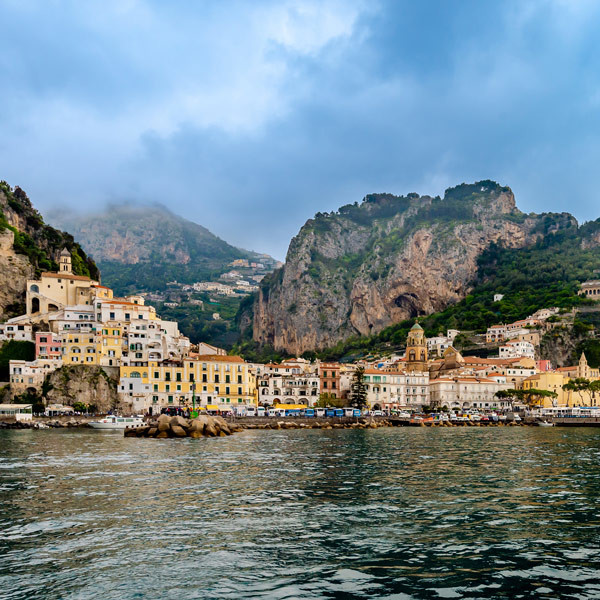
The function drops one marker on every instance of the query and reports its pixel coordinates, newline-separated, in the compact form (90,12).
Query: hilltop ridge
(356,271)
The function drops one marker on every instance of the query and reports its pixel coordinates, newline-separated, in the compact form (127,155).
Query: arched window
(35,288)
(412,355)
(422,355)
(135,374)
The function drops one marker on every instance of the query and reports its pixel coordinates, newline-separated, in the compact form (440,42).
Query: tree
(578,385)
(358,390)
(80,407)
(328,399)
(593,388)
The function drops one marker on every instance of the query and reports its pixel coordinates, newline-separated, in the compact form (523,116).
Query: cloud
(251,117)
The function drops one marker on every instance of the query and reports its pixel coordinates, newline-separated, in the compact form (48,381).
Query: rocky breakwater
(178,427)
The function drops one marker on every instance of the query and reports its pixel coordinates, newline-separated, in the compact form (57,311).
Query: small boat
(545,424)
(114,422)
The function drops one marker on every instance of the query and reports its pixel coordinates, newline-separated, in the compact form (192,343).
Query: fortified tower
(416,350)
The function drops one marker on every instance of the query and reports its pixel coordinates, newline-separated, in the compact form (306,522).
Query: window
(216,378)
(168,387)
(167,376)
(227,389)
(191,377)
(127,317)
(226,378)
(178,387)
(170,399)
(240,390)
(178,376)
(239,379)
(204,380)
(156,375)
(156,387)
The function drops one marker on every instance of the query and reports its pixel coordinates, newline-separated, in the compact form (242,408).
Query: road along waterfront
(385,513)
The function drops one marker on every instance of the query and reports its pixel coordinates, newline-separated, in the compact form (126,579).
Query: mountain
(142,248)
(27,247)
(366,267)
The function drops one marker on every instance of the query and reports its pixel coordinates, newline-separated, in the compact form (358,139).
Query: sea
(396,513)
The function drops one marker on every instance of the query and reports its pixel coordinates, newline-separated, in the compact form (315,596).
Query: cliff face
(29,246)
(90,385)
(390,258)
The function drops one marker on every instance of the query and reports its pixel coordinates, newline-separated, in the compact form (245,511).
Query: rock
(222,424)
(162,434)
(130,433)
(152,431)
(431,266)
(164,423)
(180,421)
(210,429)
(178,431)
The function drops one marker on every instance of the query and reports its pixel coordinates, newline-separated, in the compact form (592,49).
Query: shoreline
(277,423)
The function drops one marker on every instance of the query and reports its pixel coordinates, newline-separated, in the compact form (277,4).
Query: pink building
(47,345)
(543,365)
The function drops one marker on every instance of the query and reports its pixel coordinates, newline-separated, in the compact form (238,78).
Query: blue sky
(249,117)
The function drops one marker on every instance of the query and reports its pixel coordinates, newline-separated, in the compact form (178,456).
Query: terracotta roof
(218,358)
(66,276)
(101,286)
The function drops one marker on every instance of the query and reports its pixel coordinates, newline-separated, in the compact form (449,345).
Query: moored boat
(114,422)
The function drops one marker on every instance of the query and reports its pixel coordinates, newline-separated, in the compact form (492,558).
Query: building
(416,350)
(54,291)
(288,388)
(329,376)
(20,332)
(517,349)
(396,390)
(466,393)
(29,376)
(551,381)
(48,346)
(222,382)
(590,289)
(18,412)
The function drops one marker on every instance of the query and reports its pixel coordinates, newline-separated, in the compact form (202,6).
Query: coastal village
(75,321)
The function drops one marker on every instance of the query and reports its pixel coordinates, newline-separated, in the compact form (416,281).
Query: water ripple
(395,514)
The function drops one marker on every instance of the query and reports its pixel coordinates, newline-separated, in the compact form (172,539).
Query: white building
(394,390)
(465,393)
(288,388)
(517,349)
(18,332)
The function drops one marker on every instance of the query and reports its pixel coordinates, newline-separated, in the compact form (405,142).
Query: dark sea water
(389,513)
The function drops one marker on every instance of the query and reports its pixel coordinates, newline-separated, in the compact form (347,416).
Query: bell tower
(65,262)
(416,350)
(583,370)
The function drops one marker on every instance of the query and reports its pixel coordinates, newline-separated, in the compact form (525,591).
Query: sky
(249,117)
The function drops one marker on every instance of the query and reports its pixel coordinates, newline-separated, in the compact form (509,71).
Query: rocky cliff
(369,265)
(95,386)
(29,246)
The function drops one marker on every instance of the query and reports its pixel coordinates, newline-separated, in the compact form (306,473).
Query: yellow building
(79,348)
(109,344)
(551,381)
(224,381)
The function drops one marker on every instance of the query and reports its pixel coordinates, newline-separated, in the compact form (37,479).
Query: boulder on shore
(179,427)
